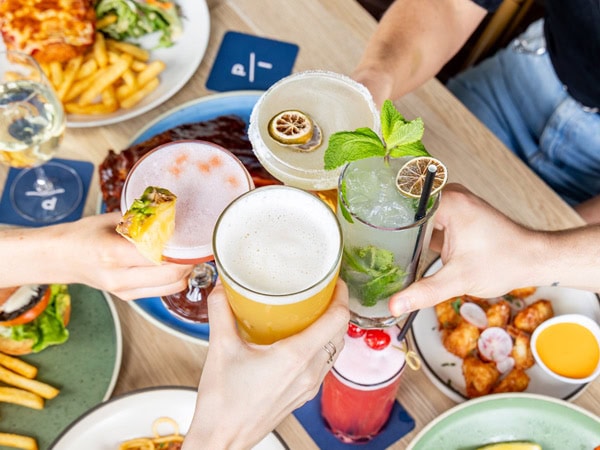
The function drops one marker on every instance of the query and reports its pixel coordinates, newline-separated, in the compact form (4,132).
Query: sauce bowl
(567,347)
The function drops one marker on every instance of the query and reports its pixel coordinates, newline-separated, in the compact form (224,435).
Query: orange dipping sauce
(569,350)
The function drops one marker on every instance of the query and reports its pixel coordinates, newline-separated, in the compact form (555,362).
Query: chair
(502,27)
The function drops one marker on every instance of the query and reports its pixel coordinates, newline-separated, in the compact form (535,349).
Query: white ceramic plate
(182,59)
(131,416)
(552,423)
(444,369)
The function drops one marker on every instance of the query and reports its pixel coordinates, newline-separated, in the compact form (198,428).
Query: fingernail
(400,305)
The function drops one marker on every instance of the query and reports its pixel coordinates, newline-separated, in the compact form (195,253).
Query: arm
(88,251)
(412,42)
(590,210)
(246,390)
(486,254)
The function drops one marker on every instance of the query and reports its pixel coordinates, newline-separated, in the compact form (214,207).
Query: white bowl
(579,319)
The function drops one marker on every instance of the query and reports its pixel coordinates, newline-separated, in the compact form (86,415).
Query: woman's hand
(246,390)
(91,252)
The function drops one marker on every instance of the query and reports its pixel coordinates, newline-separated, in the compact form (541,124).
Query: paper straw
(421,212)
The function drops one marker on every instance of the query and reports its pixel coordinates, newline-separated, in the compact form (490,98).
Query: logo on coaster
(250,62)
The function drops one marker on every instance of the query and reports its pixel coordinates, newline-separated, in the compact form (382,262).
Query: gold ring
(331,351)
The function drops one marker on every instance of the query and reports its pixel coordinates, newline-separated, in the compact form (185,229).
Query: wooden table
(331,35)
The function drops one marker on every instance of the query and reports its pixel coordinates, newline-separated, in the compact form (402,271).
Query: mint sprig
(371,273)
(400,138)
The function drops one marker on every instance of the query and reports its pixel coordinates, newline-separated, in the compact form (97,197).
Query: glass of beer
(278,251)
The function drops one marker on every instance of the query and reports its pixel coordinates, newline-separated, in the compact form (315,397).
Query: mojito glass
(382,240)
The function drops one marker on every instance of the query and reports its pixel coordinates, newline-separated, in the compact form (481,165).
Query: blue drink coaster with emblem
(83,171)
(399,424)
(246,62)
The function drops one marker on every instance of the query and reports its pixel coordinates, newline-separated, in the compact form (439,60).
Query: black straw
(420,214)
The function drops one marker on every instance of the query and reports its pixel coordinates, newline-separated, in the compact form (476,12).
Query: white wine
(31,123)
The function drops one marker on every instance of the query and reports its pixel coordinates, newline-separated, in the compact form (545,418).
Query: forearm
(415,38)
(590,210)
(568,258)
(30,255)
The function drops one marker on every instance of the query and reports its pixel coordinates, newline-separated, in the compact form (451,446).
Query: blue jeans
(518,96)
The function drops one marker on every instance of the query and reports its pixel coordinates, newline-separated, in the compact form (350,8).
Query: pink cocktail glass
(359,392)
(205,177)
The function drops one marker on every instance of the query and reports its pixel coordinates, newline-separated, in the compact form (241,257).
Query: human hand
(93,253)
(483,253)
(246,390)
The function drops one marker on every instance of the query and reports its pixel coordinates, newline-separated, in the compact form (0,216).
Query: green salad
(132,19)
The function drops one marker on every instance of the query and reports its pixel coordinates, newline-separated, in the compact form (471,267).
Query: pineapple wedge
(150,221)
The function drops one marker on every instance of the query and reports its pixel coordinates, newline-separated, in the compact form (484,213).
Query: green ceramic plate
(552,423)
(85,369)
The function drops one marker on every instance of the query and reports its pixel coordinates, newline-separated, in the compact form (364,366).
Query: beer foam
(278,240)
(363,365)
(204,177)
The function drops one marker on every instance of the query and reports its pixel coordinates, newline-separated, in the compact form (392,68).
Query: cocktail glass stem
(201,278)
(43,184)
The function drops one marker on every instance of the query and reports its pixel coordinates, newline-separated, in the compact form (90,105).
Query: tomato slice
(30,314)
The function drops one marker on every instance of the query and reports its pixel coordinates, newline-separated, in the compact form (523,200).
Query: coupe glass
(334,102)
(32,123)
(205,178)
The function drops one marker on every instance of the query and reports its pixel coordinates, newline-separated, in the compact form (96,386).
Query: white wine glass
(32,123)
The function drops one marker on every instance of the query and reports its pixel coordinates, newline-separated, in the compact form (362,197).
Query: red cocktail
(360,390)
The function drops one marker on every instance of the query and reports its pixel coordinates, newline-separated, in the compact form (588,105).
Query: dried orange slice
(411,177)
(291,127)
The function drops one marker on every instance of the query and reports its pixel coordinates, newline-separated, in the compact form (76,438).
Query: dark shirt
(572,29)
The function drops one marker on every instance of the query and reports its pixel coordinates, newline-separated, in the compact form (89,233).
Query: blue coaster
(309,415)
(250,62)
(8,215)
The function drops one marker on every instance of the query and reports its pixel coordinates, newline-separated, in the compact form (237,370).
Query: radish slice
(494,344)
(474,314)
(505,365)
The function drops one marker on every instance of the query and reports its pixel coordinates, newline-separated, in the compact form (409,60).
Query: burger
(33,317)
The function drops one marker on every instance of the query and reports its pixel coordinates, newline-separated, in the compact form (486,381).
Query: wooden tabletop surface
(331,34)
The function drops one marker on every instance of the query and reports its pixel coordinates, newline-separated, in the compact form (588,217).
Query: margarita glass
(360,390)
(278,251)
(205,178)
(334,102)
(382,239)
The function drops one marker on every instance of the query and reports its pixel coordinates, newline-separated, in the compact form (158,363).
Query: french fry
(18,441)
(137,96)
(150,72)
(69,75)
(125,47)
(37,387)
(94,108)
(99,48)
(21,397)
(105,21)
(18,365)
(78,87)
(138,66)
(109,97)
(56,73)
(88,68)
(104,78)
